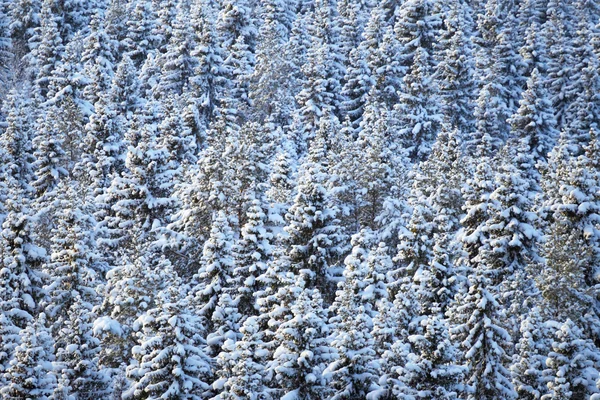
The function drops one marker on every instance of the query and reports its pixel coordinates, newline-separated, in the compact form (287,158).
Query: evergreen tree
(431,370)
(48,49)
(16,140)
(141,32)
(141,197)
(77,356)
(216,268)
(21,288)
(418,111)
(178,64)
(571,365)
(49,153)
(29,373)
(534,121)
(252,253)
(73,267)
(314,238)
(530,357)
(98,60)
(455,70)
(246,380)
(170,360)
(304,351)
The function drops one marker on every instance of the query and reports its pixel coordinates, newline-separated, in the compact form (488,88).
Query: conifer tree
(530,357)
(431,370)
(571,364)
(534,121)
(178,64)
(77,356)
(314,237)
(48,49)
(455,70)
(49,153)
(171,363)
(127,294)
(141,32)
(98,60)
(216,268)
(246,380)
(207,82)
(16,140)
(29,373)
(252,252)
(418,111)
(73,267)
(141,197)
(20,278)
(304,351)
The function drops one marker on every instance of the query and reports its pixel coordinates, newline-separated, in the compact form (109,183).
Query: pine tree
(571,364)
(5,47)
(20,278)
(141,197)
(455,70)
(272,85)
(246,380)
(207,82)
(170,360)
(511,244)
(476,314)
(97,60)
(314,238)
(126,295)
(418,112)
(141,32)
(77,356)
(483,340)
(415,29)
(73,267)
(49,153)
(352,373)
(16,140)
(24,19)
(530,357)
(178,64)
(252,253)
(431,370)
(304,351)
(29,373)
(572,200)
(216,268)
(235,21)
(48,49)
(534,121)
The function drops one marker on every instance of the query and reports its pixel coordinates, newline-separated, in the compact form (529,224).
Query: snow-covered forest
(300,199)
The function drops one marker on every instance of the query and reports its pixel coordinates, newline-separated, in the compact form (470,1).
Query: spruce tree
(170,360)
(29,374)
(77,356)
(246,380)
(314,237)
(304,351)
(571,364)
(534,121)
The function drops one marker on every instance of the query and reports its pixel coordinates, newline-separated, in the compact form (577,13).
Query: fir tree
(171,363)
(571,365)
(29,373)
(246,380)
(534,121)
(314,237)
(77,356)
(304,351)
(530,357)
